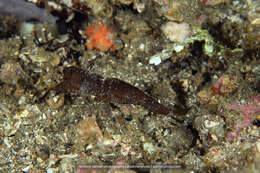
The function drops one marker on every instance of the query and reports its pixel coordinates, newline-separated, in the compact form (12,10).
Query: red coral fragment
(100,36)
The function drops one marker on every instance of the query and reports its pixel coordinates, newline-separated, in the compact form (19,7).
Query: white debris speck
(49,170)
(27,168)
(89,147)
(24,113)
(210,124)
(209,48)
(156,60)
(141,47)
(258,145)
(69,3)
(178,48)
(7,143)
(149,147)
(71,156)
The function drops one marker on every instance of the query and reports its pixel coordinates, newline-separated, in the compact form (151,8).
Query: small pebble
(156,60)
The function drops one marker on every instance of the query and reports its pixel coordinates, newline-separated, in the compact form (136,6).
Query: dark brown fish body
(109,90)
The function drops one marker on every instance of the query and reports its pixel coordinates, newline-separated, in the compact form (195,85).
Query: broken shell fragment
(176,32)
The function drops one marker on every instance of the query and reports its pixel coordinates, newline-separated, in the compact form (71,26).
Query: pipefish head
(72,77)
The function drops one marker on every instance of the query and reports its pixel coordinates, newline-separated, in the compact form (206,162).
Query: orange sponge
(100,36)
